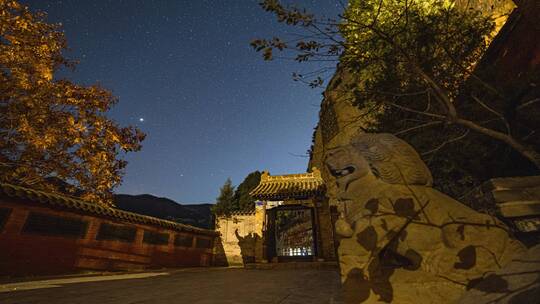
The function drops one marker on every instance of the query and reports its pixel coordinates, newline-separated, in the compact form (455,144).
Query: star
(205,104)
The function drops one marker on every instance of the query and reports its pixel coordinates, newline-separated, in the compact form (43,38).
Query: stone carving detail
(401,240)
(328,122)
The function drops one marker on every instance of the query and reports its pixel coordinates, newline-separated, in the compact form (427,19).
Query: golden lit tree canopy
(418,69)
(395,45)
(54,132)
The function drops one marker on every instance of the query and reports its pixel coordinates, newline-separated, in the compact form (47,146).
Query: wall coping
(70,203)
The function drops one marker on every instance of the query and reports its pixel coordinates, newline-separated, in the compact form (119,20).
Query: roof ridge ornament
(265,175)
(316,172)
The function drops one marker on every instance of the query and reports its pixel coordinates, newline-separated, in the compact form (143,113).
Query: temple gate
(297,220)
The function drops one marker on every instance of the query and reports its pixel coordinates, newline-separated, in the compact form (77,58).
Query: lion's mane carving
(404,240)
(392,160)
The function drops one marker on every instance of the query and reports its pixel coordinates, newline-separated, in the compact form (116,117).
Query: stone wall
(338,118)
(242,234)
(241,237)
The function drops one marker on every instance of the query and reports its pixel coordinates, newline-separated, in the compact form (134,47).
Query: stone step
(519,208)
(512,182)
(519,194)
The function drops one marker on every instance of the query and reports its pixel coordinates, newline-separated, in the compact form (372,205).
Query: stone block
(519,208)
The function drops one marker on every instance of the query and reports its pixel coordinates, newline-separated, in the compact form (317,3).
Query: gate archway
(291,233)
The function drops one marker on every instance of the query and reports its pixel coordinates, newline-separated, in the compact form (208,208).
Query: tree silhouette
(225,199)
(244,201)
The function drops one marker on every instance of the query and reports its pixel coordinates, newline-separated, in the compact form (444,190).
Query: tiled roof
(243,212)
(290,186)
(237,213)
(78,205)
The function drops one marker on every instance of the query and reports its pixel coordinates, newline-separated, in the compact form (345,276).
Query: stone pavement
(194,285)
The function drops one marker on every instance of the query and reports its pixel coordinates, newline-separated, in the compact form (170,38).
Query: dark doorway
(291,233)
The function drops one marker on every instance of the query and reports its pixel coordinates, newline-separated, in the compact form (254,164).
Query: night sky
(187,77)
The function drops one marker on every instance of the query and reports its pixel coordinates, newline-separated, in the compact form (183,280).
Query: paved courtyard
(202,285)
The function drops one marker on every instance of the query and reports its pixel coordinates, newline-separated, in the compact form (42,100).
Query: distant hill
(198,215)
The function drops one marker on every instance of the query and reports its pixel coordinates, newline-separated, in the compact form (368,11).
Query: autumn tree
(225,199)
(416,67)
(54,131)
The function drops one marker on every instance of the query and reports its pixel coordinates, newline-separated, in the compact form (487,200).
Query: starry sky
(187,77)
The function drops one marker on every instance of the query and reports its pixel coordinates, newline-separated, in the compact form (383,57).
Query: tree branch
(522,148)
(440,117)
(528,103)
(446,142)
(501,117)
(431,123)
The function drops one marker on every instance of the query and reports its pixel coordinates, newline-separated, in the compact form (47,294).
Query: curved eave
(287,196)
(86,207)
(287,190)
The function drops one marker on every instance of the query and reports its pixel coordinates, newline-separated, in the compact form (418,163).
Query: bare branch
(528,103)
(501,117)
(396,94)
(522,148)
(298,155)
(446,142)
(440,117)
(473,74)
(431,123)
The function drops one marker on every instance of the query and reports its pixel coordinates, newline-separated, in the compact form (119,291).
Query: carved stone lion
(401,240)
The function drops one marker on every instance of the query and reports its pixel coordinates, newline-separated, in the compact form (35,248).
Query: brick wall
(31,245)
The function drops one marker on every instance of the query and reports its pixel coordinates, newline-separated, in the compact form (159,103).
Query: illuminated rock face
(403,241)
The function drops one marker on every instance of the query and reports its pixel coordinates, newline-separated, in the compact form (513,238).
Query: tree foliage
(406,49)
(53,129)
(243,200)
(417,74)
(240,199)
(225,200)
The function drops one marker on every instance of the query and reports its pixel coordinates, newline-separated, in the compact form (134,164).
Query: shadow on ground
(203,285)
